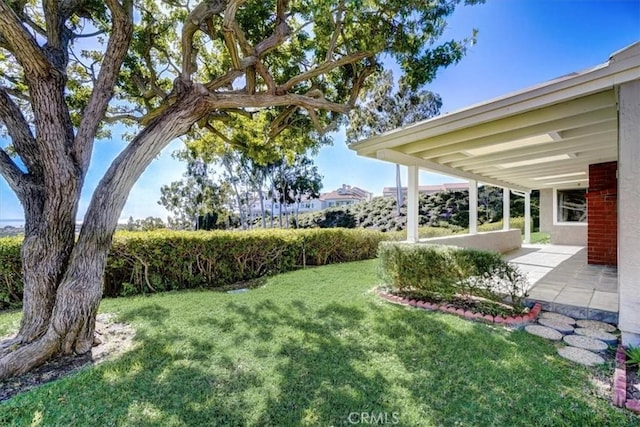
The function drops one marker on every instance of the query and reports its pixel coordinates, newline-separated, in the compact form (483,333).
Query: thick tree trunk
(44,258)
(50,208)
(77,286)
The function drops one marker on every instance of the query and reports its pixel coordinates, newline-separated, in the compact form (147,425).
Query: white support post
(506,209)
(473,206)
(412,203)
(527,217)
(628,208)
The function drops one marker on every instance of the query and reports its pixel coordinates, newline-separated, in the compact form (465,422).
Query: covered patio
(567,133)
(563,282)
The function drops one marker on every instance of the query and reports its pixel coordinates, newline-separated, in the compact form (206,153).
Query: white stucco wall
(628,208)
(560,234)
(501,241)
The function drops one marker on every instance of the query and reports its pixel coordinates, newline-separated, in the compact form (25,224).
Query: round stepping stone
(597,334)
(561,327)
(544,332)
(595,324)
(587,343)
(581,356)
(558,317)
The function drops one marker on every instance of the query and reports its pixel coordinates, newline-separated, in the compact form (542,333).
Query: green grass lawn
(311,348)
(540,237)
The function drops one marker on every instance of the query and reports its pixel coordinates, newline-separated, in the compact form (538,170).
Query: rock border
(619,397)
(513,321)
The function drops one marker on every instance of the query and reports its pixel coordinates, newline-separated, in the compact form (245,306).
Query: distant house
(428,189)
(345,195)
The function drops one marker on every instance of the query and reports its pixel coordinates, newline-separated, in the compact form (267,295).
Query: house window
(570,206)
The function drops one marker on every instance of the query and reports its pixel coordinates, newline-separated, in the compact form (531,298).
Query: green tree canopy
(70,68)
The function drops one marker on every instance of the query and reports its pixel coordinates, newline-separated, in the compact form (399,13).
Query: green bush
(179,260)
(427,269)
(423,233)
(10,274)
(517,222)
(141,262)
(445,273)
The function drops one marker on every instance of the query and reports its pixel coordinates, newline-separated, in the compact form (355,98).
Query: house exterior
(428,189)
(575,138)
(306,205)
(343,196)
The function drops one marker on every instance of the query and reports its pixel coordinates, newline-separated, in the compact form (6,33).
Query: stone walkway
(584,339)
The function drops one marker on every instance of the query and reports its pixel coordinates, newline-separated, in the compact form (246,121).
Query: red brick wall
(602,214)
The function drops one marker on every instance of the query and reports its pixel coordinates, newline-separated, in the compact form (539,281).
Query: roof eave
(623,66)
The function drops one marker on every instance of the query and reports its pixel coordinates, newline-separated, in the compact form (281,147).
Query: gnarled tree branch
(103,89)
(19,131)
(54,23)
(227,31)
(11,172)
(263,100)
(199,15)
(323,68)
(22,44)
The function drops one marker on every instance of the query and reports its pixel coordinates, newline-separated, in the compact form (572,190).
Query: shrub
(633,354)
(180,260)
(141,262)
(10,274)
(448,272)
(517,222)
(416,267)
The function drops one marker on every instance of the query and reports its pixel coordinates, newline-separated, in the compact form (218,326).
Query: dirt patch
(112,340)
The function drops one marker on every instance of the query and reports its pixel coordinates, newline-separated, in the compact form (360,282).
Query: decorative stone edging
(620,384)
(514,321)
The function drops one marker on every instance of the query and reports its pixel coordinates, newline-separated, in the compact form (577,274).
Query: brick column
(602,211)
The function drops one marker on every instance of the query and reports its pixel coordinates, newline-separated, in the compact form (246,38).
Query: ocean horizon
(11,222)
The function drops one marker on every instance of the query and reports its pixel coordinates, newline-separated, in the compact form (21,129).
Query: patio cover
(543,136)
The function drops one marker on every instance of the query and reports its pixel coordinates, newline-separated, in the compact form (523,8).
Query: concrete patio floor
(562,281)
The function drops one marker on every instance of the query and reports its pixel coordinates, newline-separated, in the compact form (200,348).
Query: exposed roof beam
(541,116)
(407,160)
(590,129)
(595,142)
(561,166)
(485,135)
(622,67)
(591,156)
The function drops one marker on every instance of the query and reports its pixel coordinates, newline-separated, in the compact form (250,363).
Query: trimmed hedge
(141,262)
(517,222)
(442,273)
(10,272)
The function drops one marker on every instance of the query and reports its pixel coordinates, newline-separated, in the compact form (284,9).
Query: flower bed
(621,384)
(514,321)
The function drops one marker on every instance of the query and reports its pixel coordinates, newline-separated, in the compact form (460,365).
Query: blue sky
(520,43)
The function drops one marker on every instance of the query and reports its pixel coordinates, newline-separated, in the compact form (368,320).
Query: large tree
(389,105)
(194,197)
(71,67)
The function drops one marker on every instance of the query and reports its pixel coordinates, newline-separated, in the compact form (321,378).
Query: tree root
(28,356)
(9,345)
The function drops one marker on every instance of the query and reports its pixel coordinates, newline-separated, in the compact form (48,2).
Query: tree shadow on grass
(295,363)
(467,373)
